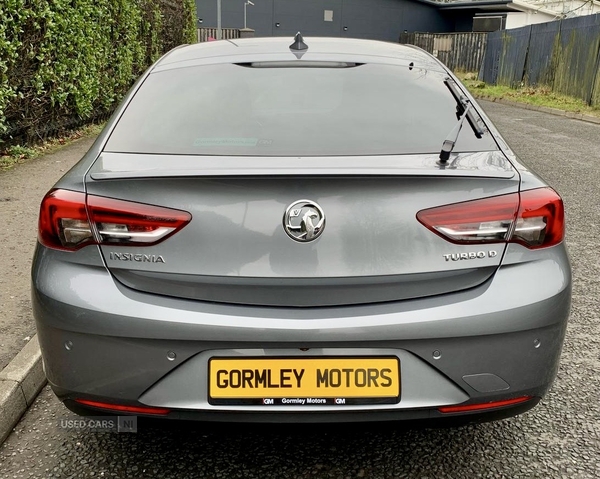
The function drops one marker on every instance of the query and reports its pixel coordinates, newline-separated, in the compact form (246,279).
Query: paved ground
(558,439)
(21,191)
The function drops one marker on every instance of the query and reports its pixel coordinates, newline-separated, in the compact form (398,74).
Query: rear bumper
(497,341)
(416,417)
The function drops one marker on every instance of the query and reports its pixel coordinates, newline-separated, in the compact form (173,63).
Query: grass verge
(13,155)
(539,96)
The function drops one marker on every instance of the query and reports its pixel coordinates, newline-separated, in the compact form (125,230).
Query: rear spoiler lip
(488,164)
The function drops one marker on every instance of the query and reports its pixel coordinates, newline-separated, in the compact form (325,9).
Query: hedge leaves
(66,62)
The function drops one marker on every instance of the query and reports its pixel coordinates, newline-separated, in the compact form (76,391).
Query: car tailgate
(235,248)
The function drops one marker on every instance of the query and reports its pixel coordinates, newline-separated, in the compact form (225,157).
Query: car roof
(278,49)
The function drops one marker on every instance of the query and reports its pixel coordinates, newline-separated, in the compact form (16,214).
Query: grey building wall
(375,19)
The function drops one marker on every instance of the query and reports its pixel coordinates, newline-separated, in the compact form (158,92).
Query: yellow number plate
(332,380)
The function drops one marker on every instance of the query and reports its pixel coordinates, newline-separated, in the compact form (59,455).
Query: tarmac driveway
(21,191)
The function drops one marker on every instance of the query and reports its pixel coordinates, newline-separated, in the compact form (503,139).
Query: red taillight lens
(63,221)
(133,224)
(480,221)
(541,219)
(533,218)
(67,223)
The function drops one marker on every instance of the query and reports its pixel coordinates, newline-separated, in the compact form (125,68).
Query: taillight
(533,218)
(67,223)
(541,219)
(133,224)
(480,221)
(63,221)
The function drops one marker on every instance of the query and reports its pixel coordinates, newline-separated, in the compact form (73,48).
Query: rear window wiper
(461,106)
(465,111)
(451,139)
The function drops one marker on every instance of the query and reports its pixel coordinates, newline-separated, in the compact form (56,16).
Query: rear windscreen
(229,109)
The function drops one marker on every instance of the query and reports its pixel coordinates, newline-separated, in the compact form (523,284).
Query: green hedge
(67,62)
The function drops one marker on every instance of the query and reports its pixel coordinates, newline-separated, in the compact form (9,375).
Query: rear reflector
(533,218)
(158,411)
(483,406)
(70,220)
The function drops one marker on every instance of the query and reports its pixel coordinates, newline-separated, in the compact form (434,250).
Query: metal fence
(563,55)
(207,34)
(458,51)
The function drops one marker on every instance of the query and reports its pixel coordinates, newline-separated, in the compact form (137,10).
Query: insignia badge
(304,221)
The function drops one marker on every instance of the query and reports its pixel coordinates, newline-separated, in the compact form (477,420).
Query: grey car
(301,230)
